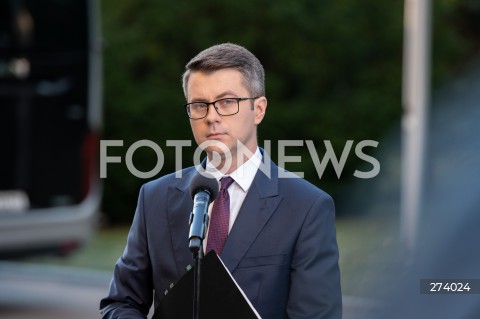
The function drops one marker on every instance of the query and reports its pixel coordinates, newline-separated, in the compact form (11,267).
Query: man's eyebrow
(220,96)
(226,93)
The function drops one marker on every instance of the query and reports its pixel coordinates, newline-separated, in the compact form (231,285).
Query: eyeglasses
(224,107)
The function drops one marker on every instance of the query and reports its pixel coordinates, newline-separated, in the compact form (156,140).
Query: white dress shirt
(243,177)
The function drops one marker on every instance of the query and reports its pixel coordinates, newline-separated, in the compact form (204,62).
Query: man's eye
(227,102)
(198,106)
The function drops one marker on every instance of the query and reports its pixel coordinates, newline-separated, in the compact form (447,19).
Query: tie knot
(226,182)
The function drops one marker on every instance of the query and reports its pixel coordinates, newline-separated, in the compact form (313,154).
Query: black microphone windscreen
(206,182)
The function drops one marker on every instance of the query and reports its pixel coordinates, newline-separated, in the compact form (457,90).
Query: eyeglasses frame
(238,99)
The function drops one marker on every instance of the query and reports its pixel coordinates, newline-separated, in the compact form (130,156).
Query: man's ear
(260,107)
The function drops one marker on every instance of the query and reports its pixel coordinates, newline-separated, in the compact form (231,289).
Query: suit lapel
(259,205)
(179,208)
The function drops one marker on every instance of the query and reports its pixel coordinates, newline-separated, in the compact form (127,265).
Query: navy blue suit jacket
(282,248)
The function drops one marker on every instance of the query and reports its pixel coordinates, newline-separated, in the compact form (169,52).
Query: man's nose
(212,114)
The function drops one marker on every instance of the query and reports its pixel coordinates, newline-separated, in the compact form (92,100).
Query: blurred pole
(416,88)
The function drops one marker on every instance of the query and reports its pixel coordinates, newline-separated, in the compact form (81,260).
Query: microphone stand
(198,256)
(196,247)
(202,194)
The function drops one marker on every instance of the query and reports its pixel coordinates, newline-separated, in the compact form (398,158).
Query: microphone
(203,190)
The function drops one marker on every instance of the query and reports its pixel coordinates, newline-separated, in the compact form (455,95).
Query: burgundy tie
(219,220)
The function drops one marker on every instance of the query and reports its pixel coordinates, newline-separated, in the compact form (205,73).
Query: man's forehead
(218,83)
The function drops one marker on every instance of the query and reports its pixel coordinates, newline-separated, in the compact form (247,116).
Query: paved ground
(49,292)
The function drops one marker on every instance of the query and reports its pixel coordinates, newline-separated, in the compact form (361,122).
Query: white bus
(50,122)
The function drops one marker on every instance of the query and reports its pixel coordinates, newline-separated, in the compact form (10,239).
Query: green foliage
(333,72)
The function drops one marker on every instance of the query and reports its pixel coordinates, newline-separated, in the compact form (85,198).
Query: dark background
(333,72)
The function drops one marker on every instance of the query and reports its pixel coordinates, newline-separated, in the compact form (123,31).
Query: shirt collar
(244,174)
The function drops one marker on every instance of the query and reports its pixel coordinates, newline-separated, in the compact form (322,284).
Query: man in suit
(281,246)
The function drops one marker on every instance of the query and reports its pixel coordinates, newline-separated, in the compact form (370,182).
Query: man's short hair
(229,56)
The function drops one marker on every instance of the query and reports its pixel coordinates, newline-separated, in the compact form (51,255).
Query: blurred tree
(333,72)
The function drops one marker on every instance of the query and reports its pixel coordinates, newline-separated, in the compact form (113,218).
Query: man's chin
(215,146)
(214,152)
